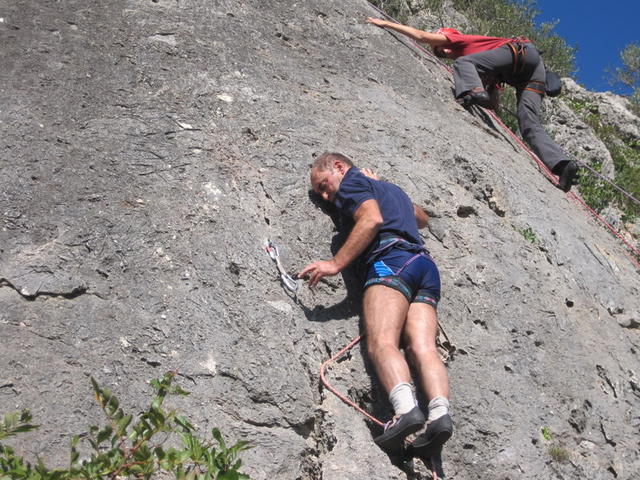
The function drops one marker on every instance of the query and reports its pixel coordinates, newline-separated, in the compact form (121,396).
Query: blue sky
(600,30)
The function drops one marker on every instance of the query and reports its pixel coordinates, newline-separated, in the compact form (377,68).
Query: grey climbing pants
(498,63)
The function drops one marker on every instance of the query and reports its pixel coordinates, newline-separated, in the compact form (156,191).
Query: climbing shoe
(568,173)
(430,442)
(397,429)
(470,98)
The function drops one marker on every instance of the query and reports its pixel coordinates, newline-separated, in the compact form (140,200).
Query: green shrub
(546,433)
(529,235)
(626,160)
(558,453)
(398,9)
(124,448)
(556,450)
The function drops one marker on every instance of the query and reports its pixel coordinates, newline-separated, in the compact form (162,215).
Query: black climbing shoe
(430,442)
(565,179)
(402,425)
(481,98)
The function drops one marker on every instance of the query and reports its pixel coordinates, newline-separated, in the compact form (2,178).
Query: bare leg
(420,333)
(385,313)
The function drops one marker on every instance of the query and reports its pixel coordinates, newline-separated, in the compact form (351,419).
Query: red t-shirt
(462,45)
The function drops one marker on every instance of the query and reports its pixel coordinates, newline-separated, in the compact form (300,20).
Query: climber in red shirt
(481,63)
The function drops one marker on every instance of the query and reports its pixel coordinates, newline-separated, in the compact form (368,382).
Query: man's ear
(338,166)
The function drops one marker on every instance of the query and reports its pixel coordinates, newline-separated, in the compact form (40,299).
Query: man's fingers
(303,273)
(315,278)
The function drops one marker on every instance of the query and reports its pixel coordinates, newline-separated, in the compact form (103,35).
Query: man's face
(448,53)
(326,183)
(443,52)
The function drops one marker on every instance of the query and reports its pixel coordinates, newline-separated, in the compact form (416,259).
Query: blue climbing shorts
(418,280)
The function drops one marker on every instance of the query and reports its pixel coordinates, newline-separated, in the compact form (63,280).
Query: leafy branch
(124,448)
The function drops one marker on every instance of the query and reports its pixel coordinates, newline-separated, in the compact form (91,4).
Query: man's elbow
(376,222)
(424,37)
(421,216)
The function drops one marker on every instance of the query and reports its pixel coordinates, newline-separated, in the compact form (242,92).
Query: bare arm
(433,39)
(368,220)
(421,216)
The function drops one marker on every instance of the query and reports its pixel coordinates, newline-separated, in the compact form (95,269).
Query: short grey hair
(325,161)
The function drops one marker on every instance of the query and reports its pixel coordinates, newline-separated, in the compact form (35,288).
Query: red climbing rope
(355,341)
(542,166)
(336,392)
(546,172)
(579,200)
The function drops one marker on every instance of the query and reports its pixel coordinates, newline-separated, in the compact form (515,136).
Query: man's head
(327,172)
(439,50)
(442,52)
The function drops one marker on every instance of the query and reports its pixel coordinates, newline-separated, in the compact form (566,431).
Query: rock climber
(481,64)
(402,290)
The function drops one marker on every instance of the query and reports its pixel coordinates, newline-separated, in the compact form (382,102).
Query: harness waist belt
(389,241)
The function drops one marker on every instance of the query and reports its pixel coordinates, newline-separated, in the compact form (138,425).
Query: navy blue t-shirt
(395,206)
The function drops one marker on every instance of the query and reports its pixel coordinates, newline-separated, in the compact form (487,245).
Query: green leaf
(74,451)
(179,391)
(122,424)
(215,432)
(230,475)
(112,405)
(104,434)
(184,423)
(137,458)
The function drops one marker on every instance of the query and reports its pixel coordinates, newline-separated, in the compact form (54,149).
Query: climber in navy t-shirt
(398,212)
(402,290)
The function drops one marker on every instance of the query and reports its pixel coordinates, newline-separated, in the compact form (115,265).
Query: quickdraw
(287,281)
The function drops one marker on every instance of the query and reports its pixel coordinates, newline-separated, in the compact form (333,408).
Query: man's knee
(531,130)
(528,122)
(377,346)
(461,62)
(420,349)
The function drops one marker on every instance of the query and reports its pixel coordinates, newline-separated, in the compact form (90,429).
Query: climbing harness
(518,52)
(389,240)
(287,281)
(536,87)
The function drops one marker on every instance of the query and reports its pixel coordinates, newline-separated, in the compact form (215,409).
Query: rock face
(150,148)
(576,137)
(613,109)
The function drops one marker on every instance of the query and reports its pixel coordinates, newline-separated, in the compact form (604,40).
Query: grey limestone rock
(150,148)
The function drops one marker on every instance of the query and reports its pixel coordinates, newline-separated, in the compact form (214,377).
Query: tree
(629,73)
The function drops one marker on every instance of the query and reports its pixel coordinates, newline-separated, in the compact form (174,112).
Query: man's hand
(376,21)
(367,172)
(317,270)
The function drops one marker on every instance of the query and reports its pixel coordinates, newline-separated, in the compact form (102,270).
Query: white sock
(402,398)
(438,407)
